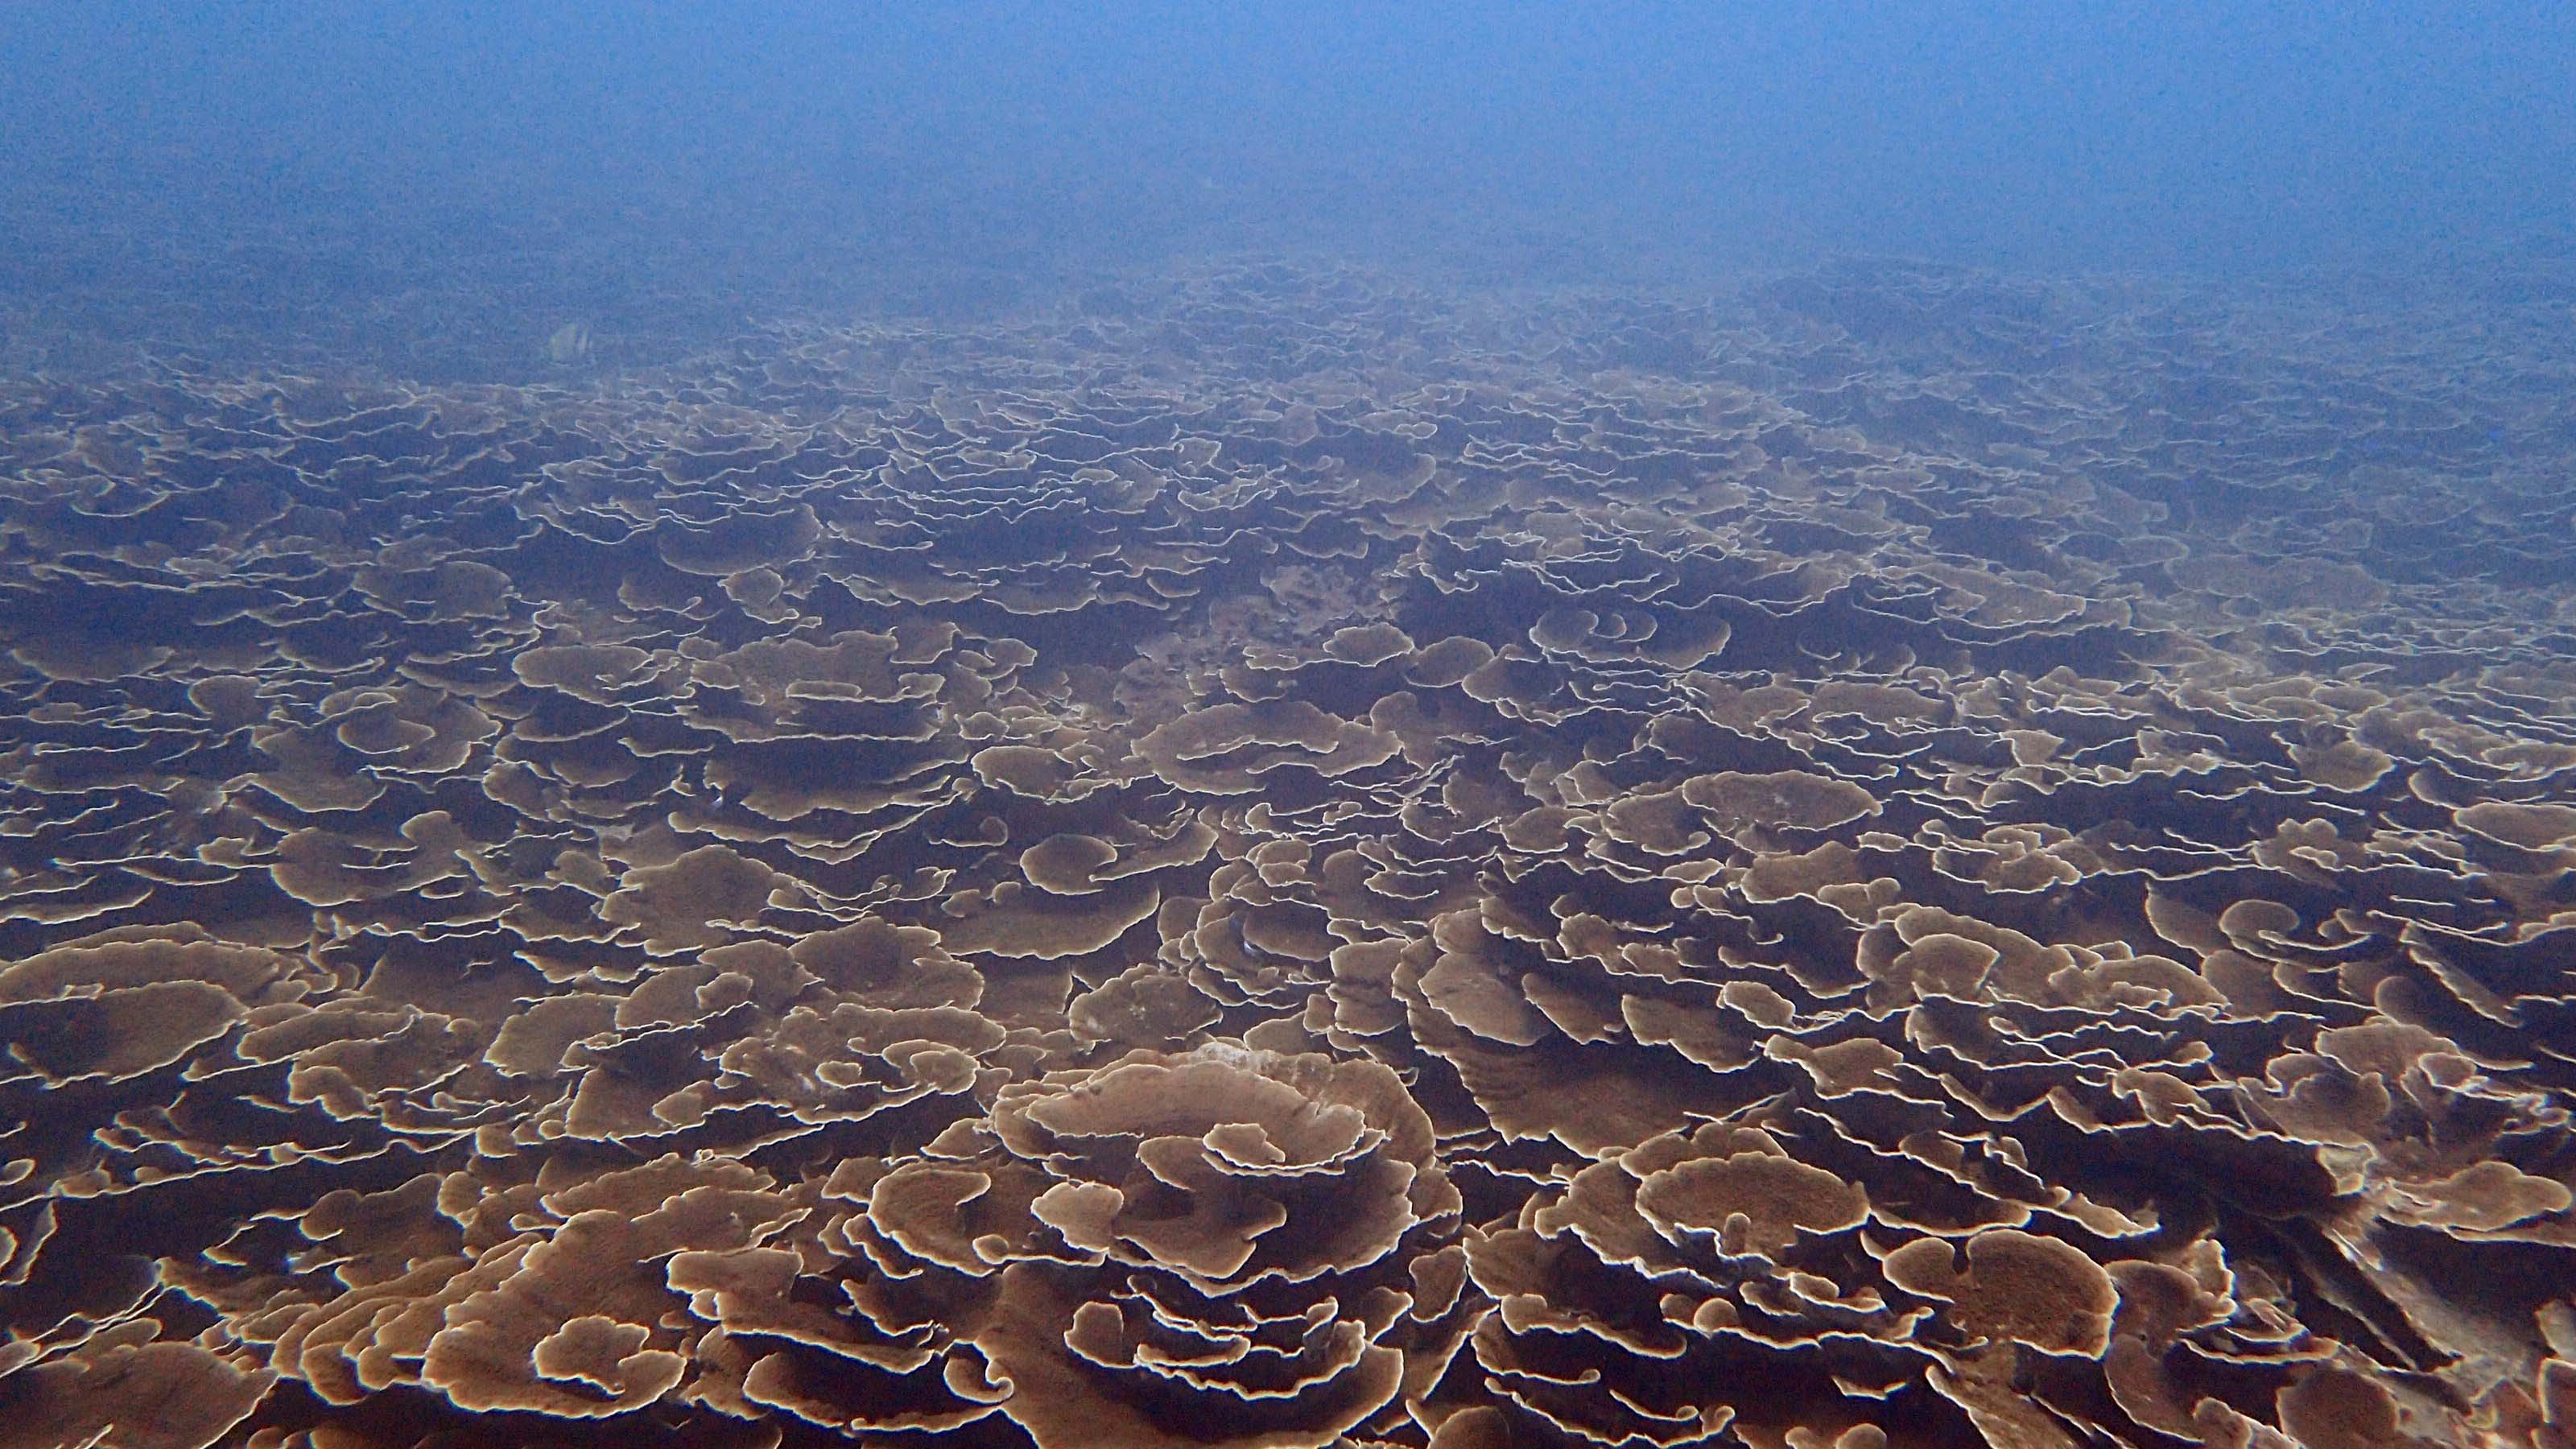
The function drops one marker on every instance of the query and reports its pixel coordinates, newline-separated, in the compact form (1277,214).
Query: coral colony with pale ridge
(1273,858)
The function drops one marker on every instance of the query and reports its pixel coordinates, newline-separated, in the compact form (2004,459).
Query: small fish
(570,343)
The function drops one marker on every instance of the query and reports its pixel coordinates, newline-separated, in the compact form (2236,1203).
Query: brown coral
(1279,858)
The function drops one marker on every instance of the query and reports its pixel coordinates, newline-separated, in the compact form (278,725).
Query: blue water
(2195,136)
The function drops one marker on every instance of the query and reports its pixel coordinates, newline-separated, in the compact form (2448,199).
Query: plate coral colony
(1276,859)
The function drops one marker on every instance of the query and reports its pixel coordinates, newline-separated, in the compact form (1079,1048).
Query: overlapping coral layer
(1274,860)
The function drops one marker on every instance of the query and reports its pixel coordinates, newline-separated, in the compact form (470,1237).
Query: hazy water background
(302,168)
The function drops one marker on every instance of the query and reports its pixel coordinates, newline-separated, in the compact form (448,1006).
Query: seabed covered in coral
(1274,857)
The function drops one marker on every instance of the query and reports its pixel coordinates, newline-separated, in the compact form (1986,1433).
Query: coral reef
(1279,859)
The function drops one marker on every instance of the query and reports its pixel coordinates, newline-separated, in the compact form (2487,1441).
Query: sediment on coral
(1277,858)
